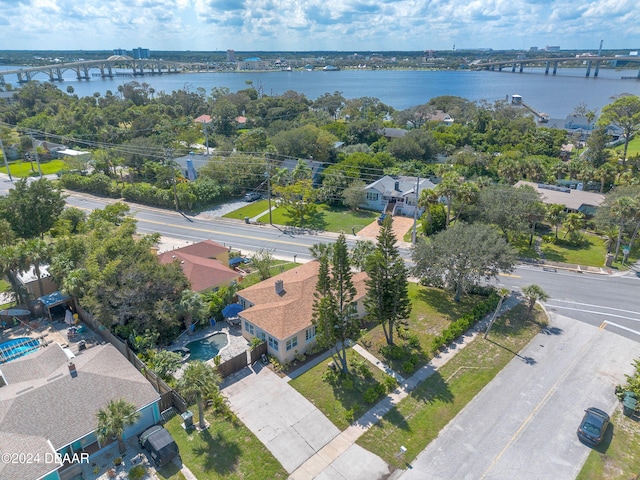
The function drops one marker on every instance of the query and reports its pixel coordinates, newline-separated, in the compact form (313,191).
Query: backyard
(24,169)
(225,450)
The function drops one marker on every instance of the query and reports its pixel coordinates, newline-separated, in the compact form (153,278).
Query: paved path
(522,425)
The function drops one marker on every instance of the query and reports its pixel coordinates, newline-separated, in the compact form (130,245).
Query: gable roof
(570,198)
(283,315)
(43,408)
(200,266)
(406,185)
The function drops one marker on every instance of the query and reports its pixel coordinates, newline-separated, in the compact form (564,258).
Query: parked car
(160,444)
(382,218)
(252,196)
(593,425)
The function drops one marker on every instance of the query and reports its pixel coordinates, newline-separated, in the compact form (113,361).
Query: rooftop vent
(280,287)
(72,369)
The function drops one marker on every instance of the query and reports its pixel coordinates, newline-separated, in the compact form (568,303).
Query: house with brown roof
(48,405)
(205,264)
(279,310)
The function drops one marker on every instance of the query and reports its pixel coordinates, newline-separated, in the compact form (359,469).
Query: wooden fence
(257,352)
(233,365)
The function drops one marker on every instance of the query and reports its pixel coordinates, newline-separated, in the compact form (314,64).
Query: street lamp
(171,163)
(268,175)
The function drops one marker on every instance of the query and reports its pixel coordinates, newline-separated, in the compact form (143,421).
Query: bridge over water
(105,67)
(552,64)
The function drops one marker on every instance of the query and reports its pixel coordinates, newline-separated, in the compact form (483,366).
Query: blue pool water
(17,347)
(207,348)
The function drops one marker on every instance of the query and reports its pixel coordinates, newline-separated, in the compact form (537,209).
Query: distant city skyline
(316,25)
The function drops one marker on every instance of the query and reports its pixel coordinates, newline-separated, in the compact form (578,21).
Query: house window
(292,342)
(248,327)
(262,336)
(310,333)
(373,196)
(273,343)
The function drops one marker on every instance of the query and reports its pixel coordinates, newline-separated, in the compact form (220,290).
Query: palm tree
(114,419)
(623,209)
(11,263)
(573,223)
(555,214)
(191,306)
(198,381)
(36,252)
(533,293)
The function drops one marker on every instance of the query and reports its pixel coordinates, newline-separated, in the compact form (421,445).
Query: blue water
(556,95)
(207,348)
(17,347)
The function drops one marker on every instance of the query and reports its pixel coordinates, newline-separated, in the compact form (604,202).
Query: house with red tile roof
(205,265)
(279,310)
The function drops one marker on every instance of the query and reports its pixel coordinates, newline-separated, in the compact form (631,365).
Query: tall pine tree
(334,308)
(387,300)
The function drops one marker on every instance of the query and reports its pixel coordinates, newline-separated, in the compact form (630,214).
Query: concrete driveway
(523,424)
(291,427)
(296,432)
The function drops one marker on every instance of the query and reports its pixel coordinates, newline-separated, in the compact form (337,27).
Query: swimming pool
(17,347)
(207,348)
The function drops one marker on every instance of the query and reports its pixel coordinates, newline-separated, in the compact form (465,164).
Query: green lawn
(618,456)
(432,310)
(23,169)
(250,210)
(328,218)
(226,450)
(279,266)
(591,253)
(340,400)
(418,419)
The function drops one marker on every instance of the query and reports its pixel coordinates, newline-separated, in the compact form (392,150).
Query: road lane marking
(509,275)
(592,305)
(603,325)
(622,327)
(605,314)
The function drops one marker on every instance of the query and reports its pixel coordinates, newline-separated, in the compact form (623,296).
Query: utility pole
(35,151)
(415,212)
(169,155)
(6,163)
(269,188)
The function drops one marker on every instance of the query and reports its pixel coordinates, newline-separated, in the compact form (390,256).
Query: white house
(395,195)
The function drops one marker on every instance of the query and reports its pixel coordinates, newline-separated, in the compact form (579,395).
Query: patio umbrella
(232,310)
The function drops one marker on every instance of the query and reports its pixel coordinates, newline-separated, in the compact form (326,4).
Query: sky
(315,25)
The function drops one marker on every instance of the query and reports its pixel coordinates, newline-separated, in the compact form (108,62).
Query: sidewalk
(340,444)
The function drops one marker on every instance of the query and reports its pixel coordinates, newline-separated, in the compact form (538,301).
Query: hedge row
(98,184)
(465,322)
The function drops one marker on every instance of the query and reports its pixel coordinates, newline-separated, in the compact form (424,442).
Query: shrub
(392,352)
(389,383)
(413,341)
(374,392)
(138,472)
(255,343)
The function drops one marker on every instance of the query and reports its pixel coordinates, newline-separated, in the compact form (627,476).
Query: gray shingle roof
(42,406)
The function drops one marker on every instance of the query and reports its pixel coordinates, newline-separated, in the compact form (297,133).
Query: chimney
(72,370)
(280,287)
(397,186)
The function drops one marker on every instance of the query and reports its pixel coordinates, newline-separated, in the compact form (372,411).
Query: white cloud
(316,24)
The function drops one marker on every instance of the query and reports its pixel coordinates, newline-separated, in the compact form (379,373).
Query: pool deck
(237,343)
(55,332)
